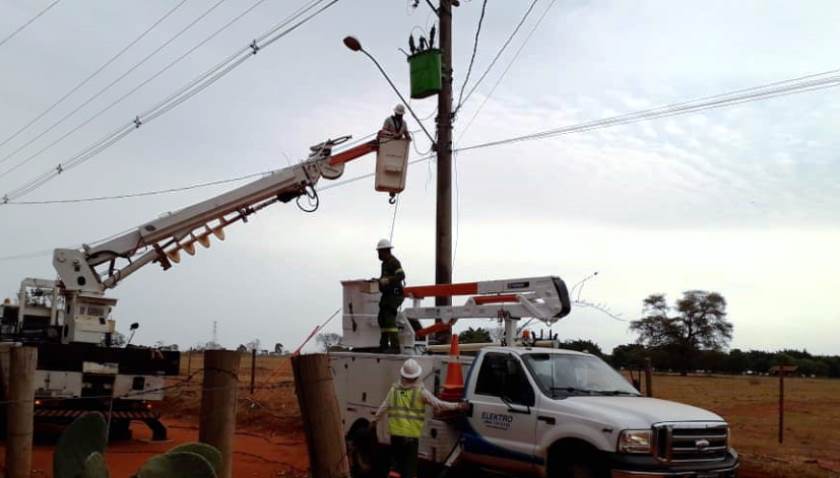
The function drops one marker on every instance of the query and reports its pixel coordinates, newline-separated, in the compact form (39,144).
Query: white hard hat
(411,370)
(383,244)
(399,109)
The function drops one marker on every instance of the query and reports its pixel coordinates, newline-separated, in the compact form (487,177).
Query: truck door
(502,425)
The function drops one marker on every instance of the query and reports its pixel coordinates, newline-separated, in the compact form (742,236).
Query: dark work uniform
(389,304)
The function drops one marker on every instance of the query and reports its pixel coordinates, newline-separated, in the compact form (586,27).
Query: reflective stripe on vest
(406,412)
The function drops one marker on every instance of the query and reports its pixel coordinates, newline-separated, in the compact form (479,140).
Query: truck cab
(553,412)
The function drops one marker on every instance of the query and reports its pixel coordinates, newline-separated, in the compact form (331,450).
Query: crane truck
(535,409)
(70,319)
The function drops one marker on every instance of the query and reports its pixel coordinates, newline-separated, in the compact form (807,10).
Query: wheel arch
(562,449)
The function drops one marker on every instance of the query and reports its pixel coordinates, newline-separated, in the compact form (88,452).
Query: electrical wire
(501,50)
(786,87)
(763,92)
(394,219)
(185,93)
(472,56)
(507,68)
(140,194)
(28,22)
(90,77)
(96,95)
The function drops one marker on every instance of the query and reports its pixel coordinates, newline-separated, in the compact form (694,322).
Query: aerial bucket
(425,70)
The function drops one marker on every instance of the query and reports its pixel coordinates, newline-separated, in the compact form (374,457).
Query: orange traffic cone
(453,387)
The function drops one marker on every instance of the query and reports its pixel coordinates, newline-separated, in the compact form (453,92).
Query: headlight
(635,441)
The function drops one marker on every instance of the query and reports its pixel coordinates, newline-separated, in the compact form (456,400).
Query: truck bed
(362,381)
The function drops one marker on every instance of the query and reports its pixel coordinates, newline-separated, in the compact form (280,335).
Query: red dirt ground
(270,443)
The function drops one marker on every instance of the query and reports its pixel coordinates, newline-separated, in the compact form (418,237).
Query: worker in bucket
(394,126)
(391,286)
(405,405)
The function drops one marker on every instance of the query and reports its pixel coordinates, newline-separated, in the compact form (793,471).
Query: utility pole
(443,235)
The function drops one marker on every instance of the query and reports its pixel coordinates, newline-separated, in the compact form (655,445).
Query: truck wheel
(120,430)
(362,454)
(579,470)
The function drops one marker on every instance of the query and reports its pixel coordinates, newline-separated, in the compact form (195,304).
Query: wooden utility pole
(648,377)
(217,422)
(22,364)
(443,235)
(321,416)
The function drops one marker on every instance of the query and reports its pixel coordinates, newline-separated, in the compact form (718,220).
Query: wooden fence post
(648,377)
(253,368)
(217,422)
(22,364)
(321,417)
(781,404)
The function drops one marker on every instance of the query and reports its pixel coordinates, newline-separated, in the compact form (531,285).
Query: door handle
(548,420)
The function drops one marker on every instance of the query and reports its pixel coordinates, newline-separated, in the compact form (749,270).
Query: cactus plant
(211,454)
(182,464)
(95,467)
(78,454)
(85,436)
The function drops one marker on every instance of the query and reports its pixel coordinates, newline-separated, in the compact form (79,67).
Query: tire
(579,470)
(364,453)
(120,430)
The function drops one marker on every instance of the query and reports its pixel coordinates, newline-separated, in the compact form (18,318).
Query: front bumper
(630,466)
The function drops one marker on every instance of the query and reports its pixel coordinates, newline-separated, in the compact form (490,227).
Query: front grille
(691,442)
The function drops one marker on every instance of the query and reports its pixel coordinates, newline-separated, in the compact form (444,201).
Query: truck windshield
(561,375)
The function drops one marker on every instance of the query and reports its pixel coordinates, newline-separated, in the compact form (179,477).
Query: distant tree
(699,324)
(629,356)
(736,362)
(278,348)
(328,340)
(582,345)
(474,336)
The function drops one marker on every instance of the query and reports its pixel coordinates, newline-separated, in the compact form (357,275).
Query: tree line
(691,335)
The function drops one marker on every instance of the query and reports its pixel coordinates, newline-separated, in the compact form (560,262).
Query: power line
(140,194)
(90,77)
(507,68)
(501,50)
(182,95)
(100,93)
(472,57)
(29,22)
(772,90)
(761,92)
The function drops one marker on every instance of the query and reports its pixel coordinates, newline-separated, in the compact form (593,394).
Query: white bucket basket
(391,165)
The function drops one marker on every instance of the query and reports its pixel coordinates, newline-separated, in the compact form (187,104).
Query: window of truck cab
(502,375)
(561,374)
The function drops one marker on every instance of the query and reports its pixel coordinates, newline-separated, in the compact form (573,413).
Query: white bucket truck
(535,410)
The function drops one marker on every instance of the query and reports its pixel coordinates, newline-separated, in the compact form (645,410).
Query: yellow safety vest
(406,411)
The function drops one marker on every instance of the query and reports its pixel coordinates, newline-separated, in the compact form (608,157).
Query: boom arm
(162,240)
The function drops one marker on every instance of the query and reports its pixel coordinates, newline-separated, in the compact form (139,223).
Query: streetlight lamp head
(352,43)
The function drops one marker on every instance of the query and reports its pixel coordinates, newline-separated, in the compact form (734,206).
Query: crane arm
(162,239)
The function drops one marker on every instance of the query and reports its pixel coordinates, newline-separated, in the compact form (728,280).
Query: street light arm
(397,91)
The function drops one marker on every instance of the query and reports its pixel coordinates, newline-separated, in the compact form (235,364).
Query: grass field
(812,419)
(750,404)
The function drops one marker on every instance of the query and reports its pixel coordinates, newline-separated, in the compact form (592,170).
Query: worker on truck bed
(405,405)
(391,286)
(394,126)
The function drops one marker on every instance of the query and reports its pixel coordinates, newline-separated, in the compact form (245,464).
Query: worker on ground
(391,286)
(405,405)
(394,126)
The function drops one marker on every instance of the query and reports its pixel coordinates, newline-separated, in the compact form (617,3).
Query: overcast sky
(740,200)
